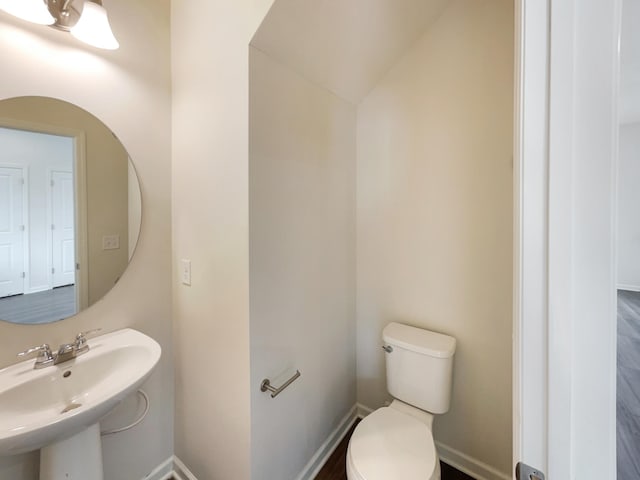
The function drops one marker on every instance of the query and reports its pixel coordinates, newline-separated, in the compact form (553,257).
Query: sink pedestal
(76,458)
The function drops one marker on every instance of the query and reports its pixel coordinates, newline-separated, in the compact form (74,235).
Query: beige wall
(125,89)
(302,146)
(134,208)
(344,47)
(106,182)
(210,41)
(434,217)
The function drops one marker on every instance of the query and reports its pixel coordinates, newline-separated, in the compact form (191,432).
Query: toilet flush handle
(387,348)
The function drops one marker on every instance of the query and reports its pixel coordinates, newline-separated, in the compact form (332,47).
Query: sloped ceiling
(630,62)
(344,45)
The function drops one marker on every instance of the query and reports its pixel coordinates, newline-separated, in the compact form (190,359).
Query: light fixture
(93,27)
(86,20)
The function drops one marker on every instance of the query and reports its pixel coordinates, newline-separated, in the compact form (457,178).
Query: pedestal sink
(58,408)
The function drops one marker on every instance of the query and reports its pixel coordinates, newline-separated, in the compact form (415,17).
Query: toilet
(396,442)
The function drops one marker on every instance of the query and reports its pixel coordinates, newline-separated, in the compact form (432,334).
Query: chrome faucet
(45,357)
(66,351)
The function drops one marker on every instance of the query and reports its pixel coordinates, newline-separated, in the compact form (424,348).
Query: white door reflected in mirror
(70,210)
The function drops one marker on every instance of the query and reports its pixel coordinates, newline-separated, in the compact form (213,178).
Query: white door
(565,333)
(11,232)
(62,229)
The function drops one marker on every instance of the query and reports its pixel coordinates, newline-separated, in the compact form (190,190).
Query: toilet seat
(390,444)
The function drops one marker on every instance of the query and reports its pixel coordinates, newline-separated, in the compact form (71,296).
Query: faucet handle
(82,336)
(81,339)
(41,349)
(45,356)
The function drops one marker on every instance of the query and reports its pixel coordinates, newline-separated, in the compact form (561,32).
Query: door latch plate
(525,472)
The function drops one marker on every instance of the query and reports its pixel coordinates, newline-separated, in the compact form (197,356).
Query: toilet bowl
(393,443)
(396,442)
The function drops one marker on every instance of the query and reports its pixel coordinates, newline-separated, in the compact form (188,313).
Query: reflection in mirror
(70,210)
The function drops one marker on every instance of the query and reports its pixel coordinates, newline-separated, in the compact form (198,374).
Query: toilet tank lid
(419,340)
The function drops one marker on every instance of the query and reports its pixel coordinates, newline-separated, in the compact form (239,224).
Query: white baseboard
(469,465)
(37,289)
(163,471)
(466,464)
(180,470)
(629,288)
(171,468)
(363,410)
(321,456)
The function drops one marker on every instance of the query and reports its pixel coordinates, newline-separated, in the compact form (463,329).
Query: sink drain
(71,406)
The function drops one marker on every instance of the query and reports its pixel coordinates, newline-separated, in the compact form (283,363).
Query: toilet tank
(419,366)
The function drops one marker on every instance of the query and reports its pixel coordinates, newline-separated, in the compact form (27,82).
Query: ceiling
(345,46)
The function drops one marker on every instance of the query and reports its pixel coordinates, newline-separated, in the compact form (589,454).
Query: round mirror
(70,210)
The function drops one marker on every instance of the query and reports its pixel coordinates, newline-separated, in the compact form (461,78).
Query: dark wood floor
(628,379)
(335,468)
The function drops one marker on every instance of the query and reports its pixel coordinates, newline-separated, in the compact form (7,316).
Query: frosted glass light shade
(34,11)
(93,27)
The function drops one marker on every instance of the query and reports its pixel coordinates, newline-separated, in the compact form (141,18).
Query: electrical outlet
(185,271)
(111,242)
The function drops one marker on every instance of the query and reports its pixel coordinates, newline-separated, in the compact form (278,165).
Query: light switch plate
(111,242)
(185,271)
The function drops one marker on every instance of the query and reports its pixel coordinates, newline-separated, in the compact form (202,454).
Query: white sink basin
(40,407)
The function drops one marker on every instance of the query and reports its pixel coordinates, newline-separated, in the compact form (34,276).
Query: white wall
(628,203)
(129,89)
(629,148)
(39,154)
(302,144)
(434,216)
(630,62)
(210,194)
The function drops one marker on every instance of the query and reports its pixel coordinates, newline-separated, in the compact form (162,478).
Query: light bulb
(34,11)
(93,27)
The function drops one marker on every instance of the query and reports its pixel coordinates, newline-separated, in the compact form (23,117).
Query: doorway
(38,213)
(380,193)
(628,246)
